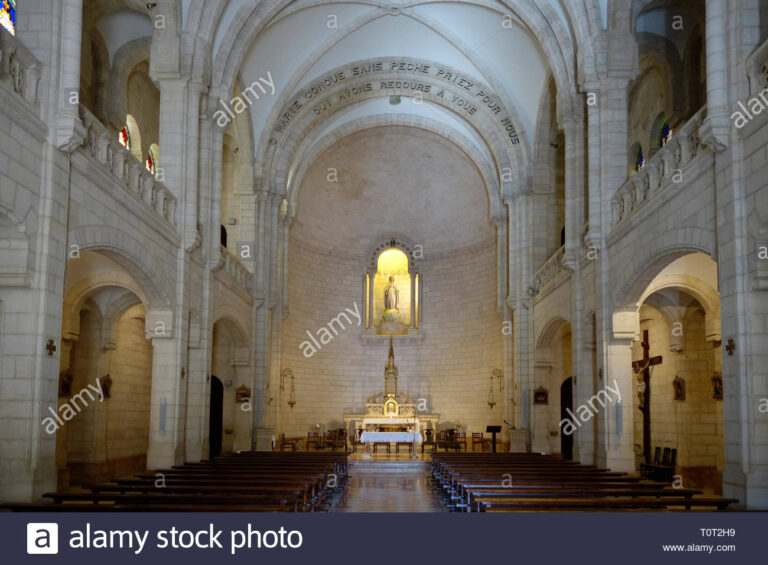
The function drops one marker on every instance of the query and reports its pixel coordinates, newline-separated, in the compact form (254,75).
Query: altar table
(390,437)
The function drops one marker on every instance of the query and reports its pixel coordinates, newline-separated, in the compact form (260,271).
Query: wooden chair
(313,438)
(427,440)
(477,437)
(461,437)
(285,443)
(647,468)
(666,473)
(339,440)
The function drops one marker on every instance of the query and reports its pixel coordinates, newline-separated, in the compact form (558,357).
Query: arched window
(639,160)
(124,138)
(134,135)
(666,135)
(8,16)
(151,161)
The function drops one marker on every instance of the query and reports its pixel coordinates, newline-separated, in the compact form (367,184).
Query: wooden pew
(531,482)
(252,482)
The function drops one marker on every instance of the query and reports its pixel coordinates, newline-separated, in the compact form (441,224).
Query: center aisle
(389,486)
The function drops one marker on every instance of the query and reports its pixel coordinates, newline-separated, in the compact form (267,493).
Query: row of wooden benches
(243,482)
(509,482)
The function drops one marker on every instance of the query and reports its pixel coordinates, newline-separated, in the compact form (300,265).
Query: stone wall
(450,367)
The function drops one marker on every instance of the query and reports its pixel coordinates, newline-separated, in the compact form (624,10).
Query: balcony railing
(102,146)
(549,270)
(239,273)
(20,68)
(661,171)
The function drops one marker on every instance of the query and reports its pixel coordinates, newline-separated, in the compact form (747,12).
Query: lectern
(493,430)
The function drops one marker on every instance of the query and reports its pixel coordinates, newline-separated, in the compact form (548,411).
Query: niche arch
(397,258)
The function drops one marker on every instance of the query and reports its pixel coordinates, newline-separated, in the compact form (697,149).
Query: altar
(390,437)
(390,414)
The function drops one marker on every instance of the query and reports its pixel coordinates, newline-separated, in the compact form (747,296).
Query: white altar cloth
(391,437)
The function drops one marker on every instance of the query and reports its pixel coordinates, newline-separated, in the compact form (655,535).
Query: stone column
(717,125)
(70,131)
(574,186)
(165,448)
(593,236)
(261,326)
(616,423)
(179,127)
(613,349)
(519,299)
(413,301)
(371,299)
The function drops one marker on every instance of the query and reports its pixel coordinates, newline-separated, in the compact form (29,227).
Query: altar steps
(356,467)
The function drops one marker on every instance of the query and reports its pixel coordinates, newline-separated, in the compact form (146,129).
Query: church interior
(384,256)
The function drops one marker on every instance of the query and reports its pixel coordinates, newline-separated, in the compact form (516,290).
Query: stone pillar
(413,301)
(519,301)
(717,125)
(70,131)
(575,162)
(616,417)
(574,187)
(540,412)
(165,438)
(179,127)
(616,423)
(593,236)
(371,299)
(613,349)
(261,327)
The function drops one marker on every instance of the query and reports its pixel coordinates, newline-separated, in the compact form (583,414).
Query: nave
(328,481)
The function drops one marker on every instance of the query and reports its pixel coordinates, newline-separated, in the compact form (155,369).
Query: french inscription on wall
(458,90)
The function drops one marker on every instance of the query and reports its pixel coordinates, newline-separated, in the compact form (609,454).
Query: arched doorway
(553,367)
(566,409)
(216,418)
(677,370)
(105,374)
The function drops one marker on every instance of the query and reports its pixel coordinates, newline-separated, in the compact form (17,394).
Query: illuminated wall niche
(392,263)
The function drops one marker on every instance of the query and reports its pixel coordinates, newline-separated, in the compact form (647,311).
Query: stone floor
(389,486)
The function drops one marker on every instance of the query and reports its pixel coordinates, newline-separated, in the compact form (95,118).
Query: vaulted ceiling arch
(236,31)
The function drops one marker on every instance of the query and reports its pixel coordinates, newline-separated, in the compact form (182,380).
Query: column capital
(626,325)
(158,324)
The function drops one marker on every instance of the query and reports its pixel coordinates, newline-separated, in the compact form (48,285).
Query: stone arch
(461,142)
(400,242)
(698,289)
(156,282)
(112,315)
(635,276)
(549,331)
(547,335)
(274,155)
(81,293)
(543,23)
(125,60)
(665,54)
(227,321)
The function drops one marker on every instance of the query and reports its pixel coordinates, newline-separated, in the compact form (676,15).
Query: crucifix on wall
(645,365)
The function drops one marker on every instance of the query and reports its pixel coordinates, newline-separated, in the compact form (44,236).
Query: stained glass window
(150,163)
(8,15)
(666,134)
(640,162)
(124,138)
